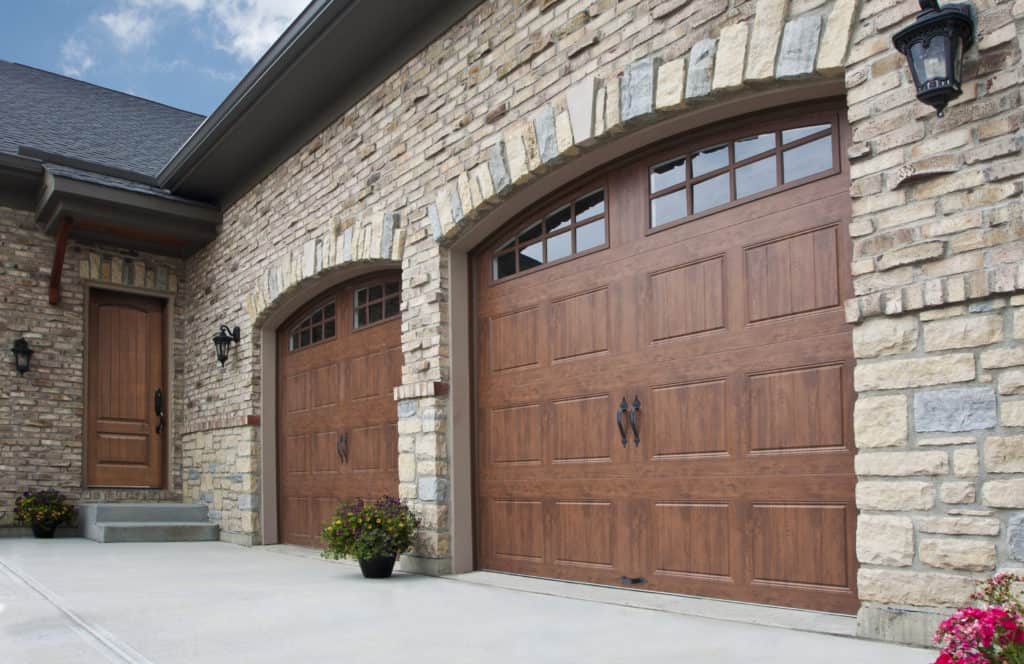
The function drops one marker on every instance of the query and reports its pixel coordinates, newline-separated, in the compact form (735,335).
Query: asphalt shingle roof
(68,117)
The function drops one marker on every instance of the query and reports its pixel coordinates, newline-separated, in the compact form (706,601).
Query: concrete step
(110,512)
(169,531)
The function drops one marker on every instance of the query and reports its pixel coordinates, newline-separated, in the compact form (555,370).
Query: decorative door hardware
(623,409)
(343,448)
(158,407)
(634,421)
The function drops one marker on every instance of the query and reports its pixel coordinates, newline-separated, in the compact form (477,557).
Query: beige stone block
(836,39)
(956,493)
(1018,323)
(1003,493)
(885,336)
(1011,413)
(965,463)
(913,588)
(959,554)
(1000,358)
(885,540)
(406,468)
(1012,382)
(958,525)
(914,372)
(730,58)
(895,496)
(946,440)
(671,84)
(965,332)
(1004,454)
(769,17)
(880,421)
(901,464)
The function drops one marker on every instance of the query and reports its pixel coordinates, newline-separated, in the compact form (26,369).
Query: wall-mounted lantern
(934,45)
(223,341)
(22,355)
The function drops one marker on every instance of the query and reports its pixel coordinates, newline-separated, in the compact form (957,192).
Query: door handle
(623,409)
(343,448)
(634,420)
(158,408)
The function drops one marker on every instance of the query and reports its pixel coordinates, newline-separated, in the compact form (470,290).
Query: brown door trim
(126,362)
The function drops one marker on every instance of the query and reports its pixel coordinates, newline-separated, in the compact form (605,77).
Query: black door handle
(158,408)
(623,409)
(343,447)
(634,420)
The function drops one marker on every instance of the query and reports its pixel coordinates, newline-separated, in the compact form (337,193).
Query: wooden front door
(339,361)
(664,374)
(126,362)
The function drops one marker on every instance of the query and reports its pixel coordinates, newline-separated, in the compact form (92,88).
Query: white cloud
(130,28)
(75,57)
(251,26)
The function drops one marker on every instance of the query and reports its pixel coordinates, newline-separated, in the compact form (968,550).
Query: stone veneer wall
(42,412)
(517,88)
(221,471)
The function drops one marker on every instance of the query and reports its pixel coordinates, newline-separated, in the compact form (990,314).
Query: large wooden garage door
(338,363)
(663,374)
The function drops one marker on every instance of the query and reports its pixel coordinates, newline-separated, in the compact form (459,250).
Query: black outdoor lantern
(223,341)
(22,354)
(934,46)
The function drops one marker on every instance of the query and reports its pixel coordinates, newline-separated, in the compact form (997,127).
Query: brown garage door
(663,374)
(339,360)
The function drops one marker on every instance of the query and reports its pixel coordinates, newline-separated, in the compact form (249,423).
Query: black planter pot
(43,532)
(377,568)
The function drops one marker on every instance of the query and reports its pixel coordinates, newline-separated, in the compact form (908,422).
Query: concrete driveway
(73,600)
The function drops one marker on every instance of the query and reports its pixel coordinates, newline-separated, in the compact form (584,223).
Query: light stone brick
(580,99)
(958,554)
(895,496)
(1004,454)
(958,525)
(885,336)
(885,540)
(1015,531)
(1018,323)
(1011,382)
(914,372)
(700,71)
(1011,413)
(880,421)
(671,84)
(638,89)
(901,464)
(836,39)
(1003,493)
(956,493)
(799,47)
(965,462)
(913,588)
(1000,358)
(965,332)
(769,18)
(946,440)
(732,51)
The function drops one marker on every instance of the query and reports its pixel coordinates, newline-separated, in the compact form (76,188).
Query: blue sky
(186,53)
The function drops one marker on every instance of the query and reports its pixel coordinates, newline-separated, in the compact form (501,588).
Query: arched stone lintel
(380,241)
(745,55)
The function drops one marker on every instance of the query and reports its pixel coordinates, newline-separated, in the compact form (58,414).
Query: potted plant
(992,632)
(374,533)
(43,511)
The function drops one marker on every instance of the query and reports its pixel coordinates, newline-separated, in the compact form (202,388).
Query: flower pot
(43,532)
(377,568)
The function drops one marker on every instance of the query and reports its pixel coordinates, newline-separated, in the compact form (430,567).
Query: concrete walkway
(74,600)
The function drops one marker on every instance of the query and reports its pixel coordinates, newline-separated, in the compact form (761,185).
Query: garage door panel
(324,453)
(797,409)
(580,324)
(692,539)
(793,275)
(580,430)
(373,448)
(514,340)
(687,299)
(802,544)
(326,389)
(586,533)
(689,419)
(518,533)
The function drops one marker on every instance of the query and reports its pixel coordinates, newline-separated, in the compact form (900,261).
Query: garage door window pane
(711,193)
(559,246)
(756,177)
(668,174)
(558,220)
(531,233)
(505,265)
(710,159)
(531,256)
(748,147)
(590,206)
(668,208)
(807,159)
(590,236)
(790,135)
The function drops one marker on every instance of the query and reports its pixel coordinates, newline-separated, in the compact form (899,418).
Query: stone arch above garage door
(749,54)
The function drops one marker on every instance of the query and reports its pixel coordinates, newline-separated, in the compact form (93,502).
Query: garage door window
(316,327)
(377,303)
(709,178)
(561,234)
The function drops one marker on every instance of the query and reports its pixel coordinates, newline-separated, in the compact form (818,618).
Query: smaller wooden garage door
(339,360)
